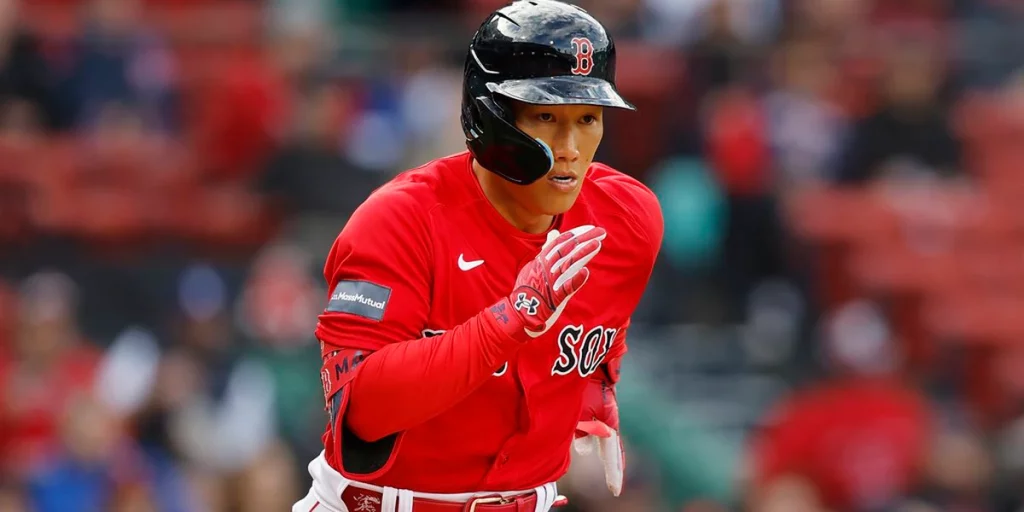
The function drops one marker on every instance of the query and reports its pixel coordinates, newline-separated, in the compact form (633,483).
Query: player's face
(573,132)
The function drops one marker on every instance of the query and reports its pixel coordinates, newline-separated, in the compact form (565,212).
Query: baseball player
(479,304)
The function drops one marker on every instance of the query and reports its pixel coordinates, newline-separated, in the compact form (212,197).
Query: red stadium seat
(222,218)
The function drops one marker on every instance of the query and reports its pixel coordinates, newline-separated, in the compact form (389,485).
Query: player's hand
(599,427)
(546,283)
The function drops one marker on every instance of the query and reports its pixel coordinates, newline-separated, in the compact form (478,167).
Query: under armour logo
(529,305)
(366,503)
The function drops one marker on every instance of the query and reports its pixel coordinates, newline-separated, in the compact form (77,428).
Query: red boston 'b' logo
(584,56)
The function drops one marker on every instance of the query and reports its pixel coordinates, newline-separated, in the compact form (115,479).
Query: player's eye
(546,117)
(588,119)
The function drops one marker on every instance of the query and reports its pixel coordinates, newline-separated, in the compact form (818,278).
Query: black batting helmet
(535,51)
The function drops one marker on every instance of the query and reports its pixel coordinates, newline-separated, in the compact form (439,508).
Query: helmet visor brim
(562,90)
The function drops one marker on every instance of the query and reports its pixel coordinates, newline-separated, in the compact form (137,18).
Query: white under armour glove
(546,283)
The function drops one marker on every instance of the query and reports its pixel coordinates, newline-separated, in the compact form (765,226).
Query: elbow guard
(355,456)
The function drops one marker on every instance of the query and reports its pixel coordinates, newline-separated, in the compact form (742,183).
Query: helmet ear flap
(503,148)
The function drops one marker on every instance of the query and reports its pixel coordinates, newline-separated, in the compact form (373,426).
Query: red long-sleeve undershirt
(405,384)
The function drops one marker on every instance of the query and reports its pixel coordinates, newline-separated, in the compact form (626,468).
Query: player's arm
(407,383)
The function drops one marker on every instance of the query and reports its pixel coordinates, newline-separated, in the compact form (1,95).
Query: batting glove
(599,427)
(546,284)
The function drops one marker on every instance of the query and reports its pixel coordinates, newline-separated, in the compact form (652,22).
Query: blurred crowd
(839,297)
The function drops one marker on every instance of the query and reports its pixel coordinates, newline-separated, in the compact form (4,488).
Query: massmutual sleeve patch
(360,298)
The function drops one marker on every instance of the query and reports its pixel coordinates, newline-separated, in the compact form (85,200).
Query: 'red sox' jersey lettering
(582,353)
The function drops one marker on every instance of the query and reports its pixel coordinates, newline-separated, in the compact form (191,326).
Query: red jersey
(861,443)
(30,405)
(430,251)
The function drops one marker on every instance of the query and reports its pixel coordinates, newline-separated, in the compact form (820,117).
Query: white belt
(400,500)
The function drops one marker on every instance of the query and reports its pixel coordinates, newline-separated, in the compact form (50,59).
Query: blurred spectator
(910,136)
(223,417)
(429,100)
(695,218)
(790,494)
(120,62)
(100,467)
(857,441)
(134,498)
(8,318)
(244,111)
(92,465)
(805,128)
(586,488)
(681,23)
(278,310)
(20,124)
(153,427)
(738,150)
(26,78)
(269,483)
(127,372)
(1009,438)
(308,173)
(47,368)
(13,499)
(959,474)
(737,142)
(830,20)
(990,28)
(721,56)
(692,205)
(237,119)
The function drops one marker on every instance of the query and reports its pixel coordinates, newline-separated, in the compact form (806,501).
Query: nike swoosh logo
(468,265)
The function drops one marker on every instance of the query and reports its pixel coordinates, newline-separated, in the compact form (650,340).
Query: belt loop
(389,500)
(542,499)
(546,496)
(522,504)
(552,494)
(404,500)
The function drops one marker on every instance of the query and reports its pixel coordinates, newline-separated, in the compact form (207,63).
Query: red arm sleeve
(379,272)
(405,384)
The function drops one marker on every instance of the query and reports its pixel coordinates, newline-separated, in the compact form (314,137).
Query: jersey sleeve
(378,275)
